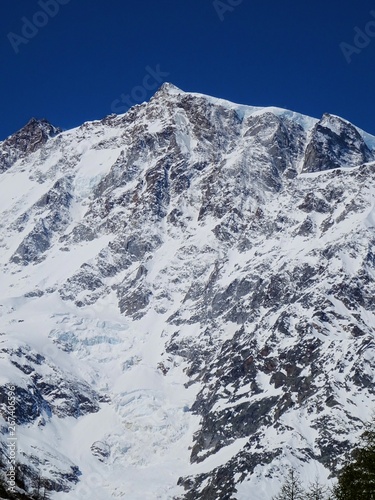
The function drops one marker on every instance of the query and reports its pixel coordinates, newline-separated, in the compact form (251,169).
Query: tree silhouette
(317,491)
(292,488)
(357,479)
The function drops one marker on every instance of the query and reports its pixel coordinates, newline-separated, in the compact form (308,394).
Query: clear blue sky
(261,52)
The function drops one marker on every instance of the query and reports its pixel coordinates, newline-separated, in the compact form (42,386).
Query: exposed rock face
(186,244)
(335,143)
(48,391)
(29,139)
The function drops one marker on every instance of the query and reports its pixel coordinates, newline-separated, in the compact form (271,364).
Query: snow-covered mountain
(187,299)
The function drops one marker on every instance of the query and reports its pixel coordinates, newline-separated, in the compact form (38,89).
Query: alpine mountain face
(187,300)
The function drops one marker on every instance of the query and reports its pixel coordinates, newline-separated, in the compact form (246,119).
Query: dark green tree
(357,479)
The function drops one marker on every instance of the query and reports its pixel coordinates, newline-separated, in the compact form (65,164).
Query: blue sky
(80,63)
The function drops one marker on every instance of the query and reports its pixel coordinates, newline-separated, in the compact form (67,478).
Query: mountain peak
(169,88)
(25,141)
(42,124)
(179,295)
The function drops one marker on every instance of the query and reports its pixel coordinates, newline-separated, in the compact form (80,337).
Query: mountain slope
(187,299)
